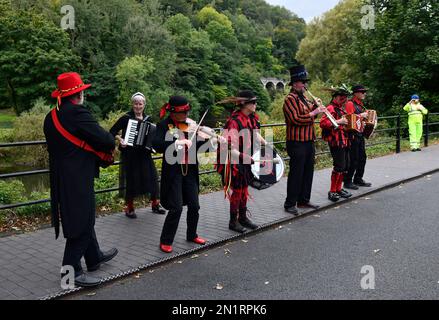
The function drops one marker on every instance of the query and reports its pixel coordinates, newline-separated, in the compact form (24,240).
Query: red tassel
(164,109)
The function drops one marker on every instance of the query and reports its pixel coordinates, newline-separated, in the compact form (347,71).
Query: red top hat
(69,83)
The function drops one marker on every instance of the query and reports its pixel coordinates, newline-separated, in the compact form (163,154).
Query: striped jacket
(300,125)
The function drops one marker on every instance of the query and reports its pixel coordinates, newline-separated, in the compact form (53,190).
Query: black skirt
(138,174)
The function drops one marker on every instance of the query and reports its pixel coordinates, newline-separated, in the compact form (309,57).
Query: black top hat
(299,73)
(177,101)
(359,88)
(245,96)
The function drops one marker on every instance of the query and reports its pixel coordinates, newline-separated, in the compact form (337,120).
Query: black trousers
(301,173)
(340,158)
(184,190)
(358,158)
(84,246)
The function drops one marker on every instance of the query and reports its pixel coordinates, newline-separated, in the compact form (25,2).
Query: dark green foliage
(203,49)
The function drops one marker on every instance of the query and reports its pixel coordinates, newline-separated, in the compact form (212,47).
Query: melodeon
(140,133)
(370,123)
(355,123)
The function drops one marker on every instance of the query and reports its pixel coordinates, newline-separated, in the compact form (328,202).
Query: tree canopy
(204,49)
(396,56)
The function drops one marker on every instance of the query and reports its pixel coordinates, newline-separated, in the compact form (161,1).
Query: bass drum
(267,169)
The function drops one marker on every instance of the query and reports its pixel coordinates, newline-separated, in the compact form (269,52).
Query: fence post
(427,130)
(398,134)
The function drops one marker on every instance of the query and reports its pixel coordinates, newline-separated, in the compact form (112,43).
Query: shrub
(29,127)
(11,191)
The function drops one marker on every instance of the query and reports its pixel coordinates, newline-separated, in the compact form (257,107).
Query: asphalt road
(317,257)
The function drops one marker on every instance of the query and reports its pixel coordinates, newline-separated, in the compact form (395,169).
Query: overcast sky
(306,9)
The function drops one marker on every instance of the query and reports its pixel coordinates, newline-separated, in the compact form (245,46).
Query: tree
(33,51)
(132,76)
(324,50)
(400,56)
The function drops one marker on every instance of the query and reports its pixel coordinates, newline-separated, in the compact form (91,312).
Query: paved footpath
(30,263)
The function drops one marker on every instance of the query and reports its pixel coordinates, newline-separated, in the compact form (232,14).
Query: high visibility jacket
(415,112)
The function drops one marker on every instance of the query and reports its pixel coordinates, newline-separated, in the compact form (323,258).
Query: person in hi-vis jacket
(416,113)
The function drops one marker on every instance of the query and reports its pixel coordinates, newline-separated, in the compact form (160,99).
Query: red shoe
(198,240)
(165,248)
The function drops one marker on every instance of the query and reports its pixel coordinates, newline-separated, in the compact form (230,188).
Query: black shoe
(419,149)
(292,210)
(362,183)
(350,185)
(158,209)
(344,194)
(308,205)
(414,150)
(131,215)
(333,196)
(106,256)
(86,281)
(246,223)
(236,226)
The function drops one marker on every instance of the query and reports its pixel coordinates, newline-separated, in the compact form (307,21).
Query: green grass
(7,117)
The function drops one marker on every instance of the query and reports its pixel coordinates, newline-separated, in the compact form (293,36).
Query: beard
(81,99)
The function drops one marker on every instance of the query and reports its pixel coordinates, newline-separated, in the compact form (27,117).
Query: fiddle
(191,126)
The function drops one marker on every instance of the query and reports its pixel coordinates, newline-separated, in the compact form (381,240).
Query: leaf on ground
(179,262)
(137,276)
(316,215)
(267,282)
(195,256)
(367,198)
(219,286)
(206,255)
(279,228)
(91,294)
(227,251)
(245,241)
(336,208)
(151,271)
(377,251)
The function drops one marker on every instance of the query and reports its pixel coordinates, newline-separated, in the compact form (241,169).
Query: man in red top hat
(72,173)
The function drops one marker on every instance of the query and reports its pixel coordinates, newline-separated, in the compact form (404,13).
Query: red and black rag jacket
(239,132)
(335,137)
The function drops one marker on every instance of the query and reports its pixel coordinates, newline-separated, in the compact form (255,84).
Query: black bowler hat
(338,91)
(245,96)
(359,88)
(298,73)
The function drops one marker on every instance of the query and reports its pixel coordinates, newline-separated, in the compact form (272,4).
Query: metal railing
(398,133)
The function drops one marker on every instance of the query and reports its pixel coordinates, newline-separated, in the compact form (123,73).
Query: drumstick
(275,161)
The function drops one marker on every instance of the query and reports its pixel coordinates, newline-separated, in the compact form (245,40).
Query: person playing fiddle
(179,178)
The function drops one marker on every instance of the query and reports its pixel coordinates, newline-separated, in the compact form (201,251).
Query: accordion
(140,134)
(370,123)
(355,123)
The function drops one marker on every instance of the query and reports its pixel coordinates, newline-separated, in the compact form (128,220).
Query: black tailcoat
(72,170)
